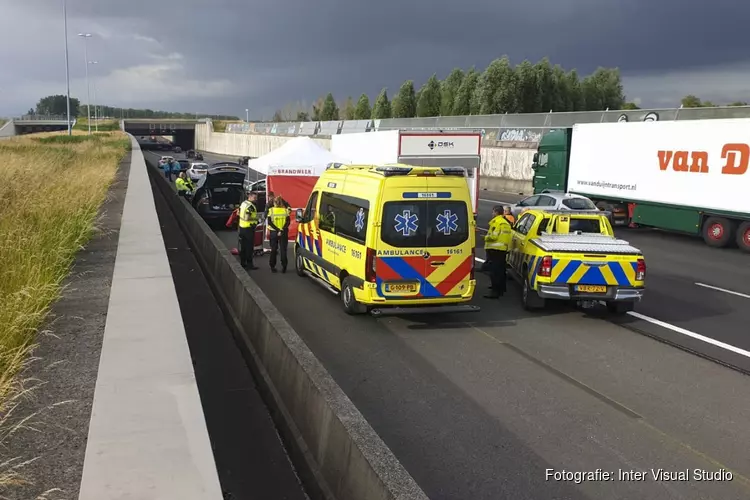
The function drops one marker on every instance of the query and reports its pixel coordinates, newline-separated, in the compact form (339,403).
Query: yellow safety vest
(248,215)
(278,216)
(499,234)
(181,184)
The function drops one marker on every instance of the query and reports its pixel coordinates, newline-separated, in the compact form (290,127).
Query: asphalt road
(478,406)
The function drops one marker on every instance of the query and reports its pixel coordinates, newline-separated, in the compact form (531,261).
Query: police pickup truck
(574,256)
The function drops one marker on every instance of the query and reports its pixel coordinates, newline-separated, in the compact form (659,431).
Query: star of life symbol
(447,222)
(406,223)
(359,221)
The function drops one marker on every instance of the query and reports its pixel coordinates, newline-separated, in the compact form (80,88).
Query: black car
(242,160)
(184,165)
(177,149)
(190,153)
(199,155)
(221,193)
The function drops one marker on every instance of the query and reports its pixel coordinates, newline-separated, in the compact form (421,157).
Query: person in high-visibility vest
(508,214)
(248,216)
(278,224)
(496,245)
(182,185)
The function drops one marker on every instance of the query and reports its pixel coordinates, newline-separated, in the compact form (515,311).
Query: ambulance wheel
(351,306)
(620,307)
(299,263)
(743,237)
(717,231)
(529,298)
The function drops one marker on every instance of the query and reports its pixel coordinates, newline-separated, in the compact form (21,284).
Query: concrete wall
(336,445)
(8,129)
(506,165)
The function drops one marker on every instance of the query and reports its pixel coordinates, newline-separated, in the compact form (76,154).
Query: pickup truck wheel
(620,307)
(717,231)
(529,298)
(743,237)
(299,263)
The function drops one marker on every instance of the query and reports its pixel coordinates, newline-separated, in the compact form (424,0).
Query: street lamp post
(96,113)
(86,36)
(67,66)
(247,115)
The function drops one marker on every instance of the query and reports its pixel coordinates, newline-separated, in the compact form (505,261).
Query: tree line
(500,88)
(691,101)
(57,105)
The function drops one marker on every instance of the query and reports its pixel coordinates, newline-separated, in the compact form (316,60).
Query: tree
(448,90)
(529,98)
(464,94)
(497,91)
(347,110)
(562,98)
(330,111)
(691,101)
(738,103)
(303,116)
(574,91)
(277,117)
(362,111)
(317,109)
(630,106)
(545,82)
(603,90)
(405,103)
(429,103)
(57,105)
(382,108)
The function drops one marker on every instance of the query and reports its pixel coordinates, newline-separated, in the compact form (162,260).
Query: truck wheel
(299,263)
(743,237)
(351,306)
(717,231)
(620,307)
(529,298)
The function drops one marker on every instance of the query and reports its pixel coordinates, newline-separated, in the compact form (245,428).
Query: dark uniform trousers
(278,242)
(497,269)
(247,245)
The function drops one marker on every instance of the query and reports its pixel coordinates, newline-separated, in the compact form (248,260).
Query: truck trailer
(686,176)
(430,149)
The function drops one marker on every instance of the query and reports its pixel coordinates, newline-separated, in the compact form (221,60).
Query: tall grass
(51,188)
(103,125)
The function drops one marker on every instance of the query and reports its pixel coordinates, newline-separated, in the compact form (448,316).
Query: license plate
(591,289)
(401,287)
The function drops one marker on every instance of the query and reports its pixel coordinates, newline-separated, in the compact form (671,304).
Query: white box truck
(428,148)
(684,176)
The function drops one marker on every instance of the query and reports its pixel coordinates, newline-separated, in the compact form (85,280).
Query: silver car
(554,201)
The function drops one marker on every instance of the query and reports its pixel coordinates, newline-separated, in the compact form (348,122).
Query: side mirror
(300,215)
(536,158)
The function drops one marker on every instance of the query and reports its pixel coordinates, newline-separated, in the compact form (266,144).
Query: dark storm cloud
(285,50)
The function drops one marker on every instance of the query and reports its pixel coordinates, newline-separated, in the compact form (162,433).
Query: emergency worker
(496,244)
(248,216)
(509,215)
(183,188)
(174,167)
(278,223)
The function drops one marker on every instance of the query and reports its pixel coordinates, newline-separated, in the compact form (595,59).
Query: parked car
(164,160)
(554,201)
(220,193)
(190,153)
(177,149)
(197,172)
(184,165)
(199,155)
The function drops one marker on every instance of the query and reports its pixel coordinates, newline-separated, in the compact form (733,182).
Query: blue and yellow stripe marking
(582,272)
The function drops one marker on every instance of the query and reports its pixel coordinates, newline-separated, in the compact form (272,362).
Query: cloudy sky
(222,56)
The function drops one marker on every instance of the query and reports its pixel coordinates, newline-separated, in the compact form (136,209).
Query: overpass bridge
(182,131)
(32,124)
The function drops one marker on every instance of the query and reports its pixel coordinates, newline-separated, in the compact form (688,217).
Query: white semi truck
(430,148)
(684,176)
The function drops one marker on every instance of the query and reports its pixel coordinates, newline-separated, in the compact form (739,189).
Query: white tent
(300,153)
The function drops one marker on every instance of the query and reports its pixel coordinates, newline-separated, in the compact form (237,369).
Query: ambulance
(390,239)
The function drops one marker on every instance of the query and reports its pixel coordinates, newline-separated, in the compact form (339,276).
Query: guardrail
(526,127)
(60,118)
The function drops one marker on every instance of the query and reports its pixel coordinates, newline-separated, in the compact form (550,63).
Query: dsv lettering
(737,158)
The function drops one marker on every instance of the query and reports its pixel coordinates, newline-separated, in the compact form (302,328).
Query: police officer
(248,216)
(496,244)
(182,185)
(278,223)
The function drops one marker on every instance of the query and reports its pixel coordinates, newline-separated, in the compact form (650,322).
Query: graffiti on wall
(648,117)
(520,135)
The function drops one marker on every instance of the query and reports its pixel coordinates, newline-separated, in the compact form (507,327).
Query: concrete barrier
(335,449)
(506,165)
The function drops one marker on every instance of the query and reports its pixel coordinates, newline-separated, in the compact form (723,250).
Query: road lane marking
(724,290)
(690,334)
(479,260)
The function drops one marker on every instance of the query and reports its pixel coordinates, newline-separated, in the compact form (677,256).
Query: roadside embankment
(506,165)
(336,451)
(51,188)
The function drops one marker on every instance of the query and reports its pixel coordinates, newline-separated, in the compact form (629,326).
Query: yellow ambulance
(390,239)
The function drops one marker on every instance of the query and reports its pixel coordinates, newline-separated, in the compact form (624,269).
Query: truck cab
(550,163)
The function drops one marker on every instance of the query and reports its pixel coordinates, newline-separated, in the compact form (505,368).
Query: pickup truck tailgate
(590,259)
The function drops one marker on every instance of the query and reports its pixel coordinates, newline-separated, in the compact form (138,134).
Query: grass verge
(51,188)
(221,125)
(102,125)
